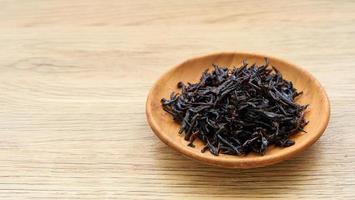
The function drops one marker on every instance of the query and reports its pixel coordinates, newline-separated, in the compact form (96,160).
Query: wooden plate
(190,71)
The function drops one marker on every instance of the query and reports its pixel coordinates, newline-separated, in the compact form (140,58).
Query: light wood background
(74,76)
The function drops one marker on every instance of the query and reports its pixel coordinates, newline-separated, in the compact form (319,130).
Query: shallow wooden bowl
(190,71)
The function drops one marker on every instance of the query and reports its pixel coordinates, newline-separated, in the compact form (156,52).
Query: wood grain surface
(74,77)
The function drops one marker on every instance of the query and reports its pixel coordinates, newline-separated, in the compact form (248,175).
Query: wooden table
(75,75)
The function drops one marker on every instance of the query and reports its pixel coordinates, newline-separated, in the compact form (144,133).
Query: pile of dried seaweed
(237,111)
